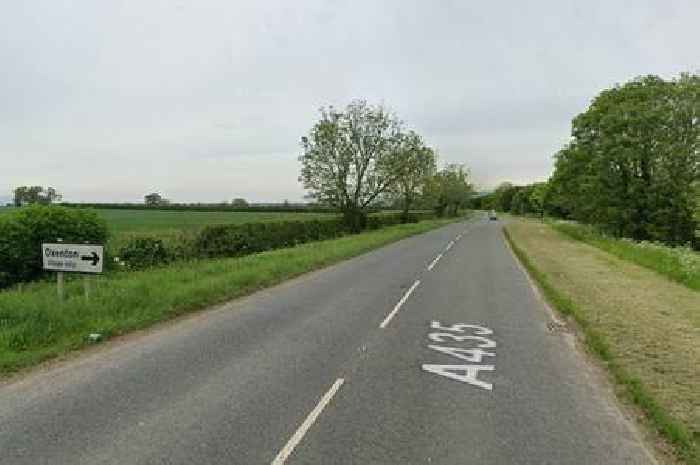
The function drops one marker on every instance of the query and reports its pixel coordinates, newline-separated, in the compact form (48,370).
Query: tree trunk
(406,209)
(355,219)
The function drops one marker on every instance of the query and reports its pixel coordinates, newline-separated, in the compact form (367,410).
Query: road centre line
(434,262)
(399,304)
(449,245)
(308,422)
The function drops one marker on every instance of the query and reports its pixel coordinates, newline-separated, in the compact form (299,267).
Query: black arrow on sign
(95,259)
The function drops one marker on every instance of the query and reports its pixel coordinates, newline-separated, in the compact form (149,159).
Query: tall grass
(34,326)
(680,264)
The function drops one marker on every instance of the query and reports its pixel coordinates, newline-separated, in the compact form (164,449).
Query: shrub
(242,239)
(22,232)
(144,252)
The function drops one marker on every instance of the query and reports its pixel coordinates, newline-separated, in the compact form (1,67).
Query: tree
(415,164)
(634,156)
(240,203)
(350,158)
(450,190)
(27,195)
(520,201)
(539,197)
(503,196)
(155,200)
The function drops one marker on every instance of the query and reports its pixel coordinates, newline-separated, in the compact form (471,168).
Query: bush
(22,233)
(241,239)
(144,252)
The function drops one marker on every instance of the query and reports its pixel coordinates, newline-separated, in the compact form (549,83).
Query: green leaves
(22,233)
(352,158)
(633,160)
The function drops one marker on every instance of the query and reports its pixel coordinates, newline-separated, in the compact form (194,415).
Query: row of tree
(363,156)
(632,167)
(28,195)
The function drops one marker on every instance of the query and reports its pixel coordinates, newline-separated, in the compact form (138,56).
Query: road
(432,350)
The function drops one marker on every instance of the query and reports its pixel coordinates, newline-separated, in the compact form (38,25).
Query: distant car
(492,215)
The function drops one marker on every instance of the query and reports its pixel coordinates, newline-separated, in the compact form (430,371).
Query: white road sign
(80,258)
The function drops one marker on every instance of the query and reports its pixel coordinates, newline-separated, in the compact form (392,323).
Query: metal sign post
(86,286)
(59,284)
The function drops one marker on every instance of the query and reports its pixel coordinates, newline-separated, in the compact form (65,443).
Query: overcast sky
(206,100)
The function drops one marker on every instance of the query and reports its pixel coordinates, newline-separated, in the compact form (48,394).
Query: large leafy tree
(638,158)
(351,157)
(450,189)
(572,185)
(503,196)
(414,165)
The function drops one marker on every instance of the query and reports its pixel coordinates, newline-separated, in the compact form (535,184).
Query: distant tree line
(363,157)
(632,167)
(29,195)
(209,207)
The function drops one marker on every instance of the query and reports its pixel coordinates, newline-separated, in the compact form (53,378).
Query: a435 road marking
(471,348)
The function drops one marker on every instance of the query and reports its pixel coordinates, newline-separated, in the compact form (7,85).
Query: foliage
(503,196)
(144,252)
(633,160)
(415,165)
(154,200)
(449,190)
(237,240)
(352,158)
(239,203)
(22,233)
(28,195)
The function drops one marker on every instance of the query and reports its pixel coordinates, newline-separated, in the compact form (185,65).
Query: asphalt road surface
(432,350)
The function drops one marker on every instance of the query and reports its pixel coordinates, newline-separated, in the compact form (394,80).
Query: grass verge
(680,264)
(659,376)
(34,326)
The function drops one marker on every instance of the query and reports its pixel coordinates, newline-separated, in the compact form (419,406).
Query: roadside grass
(34,326)
(644,327)
(680,264)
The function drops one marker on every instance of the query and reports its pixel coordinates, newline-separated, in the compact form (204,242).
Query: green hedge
(23,231)
(234,240)
(242,239)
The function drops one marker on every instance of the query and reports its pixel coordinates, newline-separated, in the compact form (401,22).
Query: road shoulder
(634,320)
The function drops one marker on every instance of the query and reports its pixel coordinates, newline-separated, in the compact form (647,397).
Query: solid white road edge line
(449,245)
(434,262)
(308,422)
(398,305)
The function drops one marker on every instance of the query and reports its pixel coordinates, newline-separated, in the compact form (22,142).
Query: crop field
(121,221)
(144,221)
(128,223)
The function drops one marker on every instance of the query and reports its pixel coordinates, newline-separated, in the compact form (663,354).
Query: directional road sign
(79,258)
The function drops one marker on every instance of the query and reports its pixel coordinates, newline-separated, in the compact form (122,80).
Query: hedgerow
(22,233)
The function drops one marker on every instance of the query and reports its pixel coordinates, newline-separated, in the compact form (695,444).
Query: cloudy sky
(206,100)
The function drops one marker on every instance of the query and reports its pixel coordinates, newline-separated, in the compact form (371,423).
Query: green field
(142,221)
(170,225)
